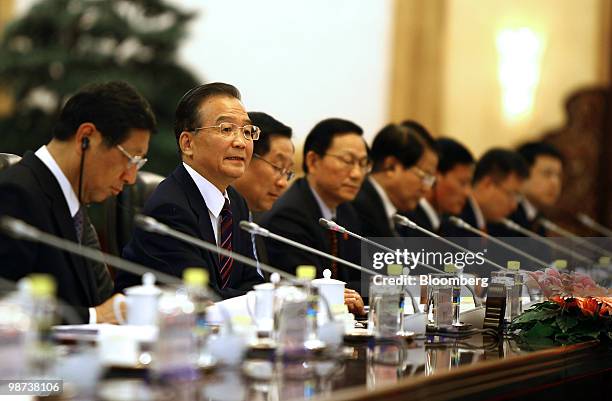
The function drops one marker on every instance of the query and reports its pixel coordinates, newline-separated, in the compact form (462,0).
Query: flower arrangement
(577,310)
(554,283)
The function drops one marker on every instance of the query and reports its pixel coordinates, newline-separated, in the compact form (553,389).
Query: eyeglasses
(364,164)
(427,179)
(227,130)
(281,171)
(137,161)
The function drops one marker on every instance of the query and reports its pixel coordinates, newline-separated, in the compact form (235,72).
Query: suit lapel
(378,206)
(312,209)
(63,221)
(198,205)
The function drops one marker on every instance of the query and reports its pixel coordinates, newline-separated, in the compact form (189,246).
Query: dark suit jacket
(419,216)
(448,229)
(104,282)
(296,215)
(520,217)
(30,192)
(178,203)
(371,210)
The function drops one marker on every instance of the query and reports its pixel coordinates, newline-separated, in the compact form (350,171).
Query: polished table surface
(432,368)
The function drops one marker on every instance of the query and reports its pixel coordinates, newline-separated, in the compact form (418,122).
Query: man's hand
(105,312)
(353,300)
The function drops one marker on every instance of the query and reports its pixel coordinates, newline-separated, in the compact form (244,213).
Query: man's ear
(186,143)
(85,136)
(312,160)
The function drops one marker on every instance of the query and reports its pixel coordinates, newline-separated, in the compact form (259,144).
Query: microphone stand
(593,225)
(256,229)
(551,244)
(332,225)
(150,224)
(463,224)
(21,230)
(549,225)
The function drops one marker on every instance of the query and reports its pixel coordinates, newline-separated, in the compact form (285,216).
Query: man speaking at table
(215,139)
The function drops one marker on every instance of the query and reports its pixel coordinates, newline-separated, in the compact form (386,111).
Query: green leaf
(536,315)
(566,322)
(540,330)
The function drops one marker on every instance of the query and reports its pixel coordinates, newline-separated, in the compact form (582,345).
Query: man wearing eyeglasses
(269,173)
(449,193)
(215,138)
(498,177)
(98,145)
(271,169)
(402,173)
(335,162)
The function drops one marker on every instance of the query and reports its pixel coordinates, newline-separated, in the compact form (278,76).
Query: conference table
(428,368)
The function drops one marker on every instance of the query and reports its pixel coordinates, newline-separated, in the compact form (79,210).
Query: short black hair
(400,141)
(499,164)
(452,153)
(531,150)
(269,127)
(420,130)
(114,107)
(320,137)
(186,117)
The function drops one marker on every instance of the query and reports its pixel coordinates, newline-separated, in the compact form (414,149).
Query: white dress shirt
(328,214)
(530,210)
(481,223)
(212,196)
(390,209)
(431,213)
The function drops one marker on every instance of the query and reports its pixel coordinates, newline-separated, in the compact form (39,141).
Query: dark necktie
(225,240)
(333,240)
(79,221)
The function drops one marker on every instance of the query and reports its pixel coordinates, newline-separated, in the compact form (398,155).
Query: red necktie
(333,240)
(226,263)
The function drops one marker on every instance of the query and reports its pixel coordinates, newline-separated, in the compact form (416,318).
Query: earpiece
(85,143)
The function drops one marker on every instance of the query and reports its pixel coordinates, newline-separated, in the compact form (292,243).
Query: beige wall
(471,108)
(446,62)
(6,13)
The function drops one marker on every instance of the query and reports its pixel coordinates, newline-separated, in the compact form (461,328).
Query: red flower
(589,306)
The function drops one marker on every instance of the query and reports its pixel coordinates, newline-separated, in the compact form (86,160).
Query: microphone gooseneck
(21,230)
(551,244)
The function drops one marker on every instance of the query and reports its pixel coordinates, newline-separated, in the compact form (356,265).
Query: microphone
(551,244)
(332,225)
(549,225)
(464,225)
(593,225)
(21,230)
(150,224)
(256,229)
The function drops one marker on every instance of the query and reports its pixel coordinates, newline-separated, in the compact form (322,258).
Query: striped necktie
(225,240)
(79,222)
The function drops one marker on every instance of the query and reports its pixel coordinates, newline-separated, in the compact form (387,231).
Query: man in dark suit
(403,170)
(269,173)
(451,189)
(215,138)
(97,147)
(543,187)
(335,162)
(497,180)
